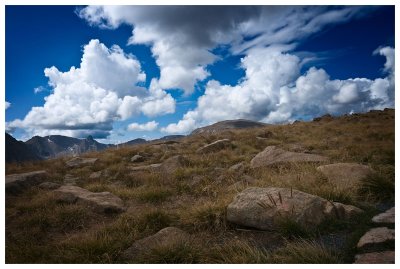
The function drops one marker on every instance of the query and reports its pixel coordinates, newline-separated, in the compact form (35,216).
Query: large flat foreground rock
(103,202)
(16,183)
(272,155)
(265,208)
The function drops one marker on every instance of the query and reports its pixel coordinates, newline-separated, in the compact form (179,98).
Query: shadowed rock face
(18,151)
(103,202)
(384,257)
(16,183)
(272,155)
(264,208)
(164,236)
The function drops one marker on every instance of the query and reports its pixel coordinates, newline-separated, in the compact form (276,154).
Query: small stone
(95,175)
(342,211)
(237,168)
(384,257)
(78,161)
(215,146)
(376,236)
(150,167)
(385,217)
(172,164)
(196,181)
(137,158)
(49,186)
(265,134)
(164,236)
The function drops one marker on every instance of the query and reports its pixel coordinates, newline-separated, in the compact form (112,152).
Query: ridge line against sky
(193,66)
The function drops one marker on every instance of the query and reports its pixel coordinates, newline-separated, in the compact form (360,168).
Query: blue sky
(179,68)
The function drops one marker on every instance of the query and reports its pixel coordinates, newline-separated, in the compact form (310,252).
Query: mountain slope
(136,141)
(17,151)
(58,145)
(228,124)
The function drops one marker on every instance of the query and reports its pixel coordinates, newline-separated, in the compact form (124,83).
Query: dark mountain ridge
(18,151)
(58,145)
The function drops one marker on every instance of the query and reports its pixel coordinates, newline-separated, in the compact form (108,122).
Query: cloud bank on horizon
(106,87)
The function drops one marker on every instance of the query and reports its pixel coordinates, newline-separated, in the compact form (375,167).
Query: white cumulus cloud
(88,99)
(149,126)
(8,104)
(273,91)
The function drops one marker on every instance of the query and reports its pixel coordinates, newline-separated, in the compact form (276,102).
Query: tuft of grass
(155,220)
(154,195)
(210,217)
(106,243)
(289,228)
(174,252)
(304,252)
(333,193)
(94,247)
(379,186)
(238,252)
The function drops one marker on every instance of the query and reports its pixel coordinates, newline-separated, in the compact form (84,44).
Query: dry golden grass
(194,198)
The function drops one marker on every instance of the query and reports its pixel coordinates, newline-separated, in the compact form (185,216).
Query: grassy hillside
(194,198)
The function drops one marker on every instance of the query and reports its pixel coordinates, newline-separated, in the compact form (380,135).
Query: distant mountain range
(57,145)
(40,148)
(51,146)
(228,124)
